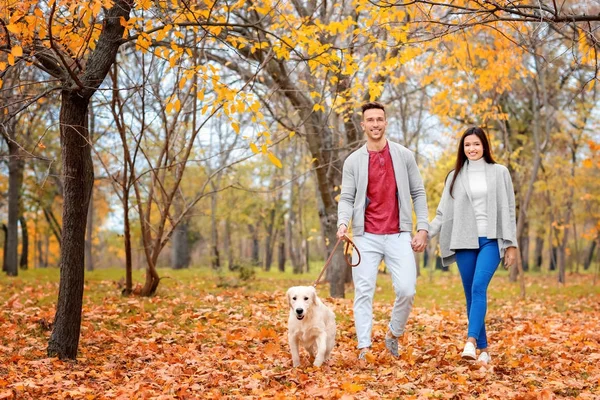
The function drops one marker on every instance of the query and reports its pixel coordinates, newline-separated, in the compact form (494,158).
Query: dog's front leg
(321,349)
(294,340)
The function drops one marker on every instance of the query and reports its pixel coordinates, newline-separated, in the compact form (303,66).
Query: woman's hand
(510,257)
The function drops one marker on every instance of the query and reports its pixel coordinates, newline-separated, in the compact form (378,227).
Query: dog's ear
(313,295)
(289,299)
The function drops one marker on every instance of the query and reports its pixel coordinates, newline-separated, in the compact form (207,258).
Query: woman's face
(473,147)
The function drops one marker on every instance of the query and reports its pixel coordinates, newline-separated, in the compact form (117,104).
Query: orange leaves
(265,333)
(14,28)
(233,344)
(351,387)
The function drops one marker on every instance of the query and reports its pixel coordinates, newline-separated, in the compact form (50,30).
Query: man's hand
(342,230)
(419,242)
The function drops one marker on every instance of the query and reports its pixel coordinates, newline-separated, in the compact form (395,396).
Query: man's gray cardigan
(455,217)
(355,177)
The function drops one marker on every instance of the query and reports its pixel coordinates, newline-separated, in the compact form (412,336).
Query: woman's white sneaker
(469,352)
(484,358)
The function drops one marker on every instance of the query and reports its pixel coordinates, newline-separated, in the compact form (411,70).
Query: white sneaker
(484,358)
(363,353)
(469,352)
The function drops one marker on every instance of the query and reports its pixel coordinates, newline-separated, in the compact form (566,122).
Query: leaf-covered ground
(195,340)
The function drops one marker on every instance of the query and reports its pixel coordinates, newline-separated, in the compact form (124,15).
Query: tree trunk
(327,167)
(46,251)
(538,253)
(24,263)
(336,273)
(5,230)
(15,183)
(215,260)
(180,247)
(281,254)
(597,261)
(255,257)
(78,178)
(561,264)
(127,233)
(293,246)
(89,256)
(561,261)
(152,280)
(553,258)
(89,259)
(589,255)
(540,100)
(524,247)
(40,251)
(53,223)
(306,252)
(269,240)
(227,245)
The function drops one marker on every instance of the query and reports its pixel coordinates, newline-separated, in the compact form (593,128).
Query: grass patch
(435,289)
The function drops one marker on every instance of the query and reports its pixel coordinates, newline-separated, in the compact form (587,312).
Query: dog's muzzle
(299,313)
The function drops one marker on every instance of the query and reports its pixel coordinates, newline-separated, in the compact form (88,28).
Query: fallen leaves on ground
(233,344)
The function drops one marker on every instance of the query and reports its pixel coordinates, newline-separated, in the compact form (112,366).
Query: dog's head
(301,298)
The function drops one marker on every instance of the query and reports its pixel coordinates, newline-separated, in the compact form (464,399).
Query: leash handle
(346,258)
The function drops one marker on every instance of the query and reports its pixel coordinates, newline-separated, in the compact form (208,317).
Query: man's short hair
(371,105)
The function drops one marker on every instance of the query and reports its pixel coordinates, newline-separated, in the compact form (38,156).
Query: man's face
(374,124)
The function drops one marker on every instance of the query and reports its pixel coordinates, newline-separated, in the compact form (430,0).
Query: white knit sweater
(479,189)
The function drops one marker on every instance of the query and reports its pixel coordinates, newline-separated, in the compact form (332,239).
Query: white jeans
(396,251)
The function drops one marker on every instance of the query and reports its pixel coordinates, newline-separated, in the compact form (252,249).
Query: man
(378,182)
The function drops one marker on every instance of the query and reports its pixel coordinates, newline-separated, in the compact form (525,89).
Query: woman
(477,227)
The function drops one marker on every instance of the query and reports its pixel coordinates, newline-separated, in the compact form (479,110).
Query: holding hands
(419,241)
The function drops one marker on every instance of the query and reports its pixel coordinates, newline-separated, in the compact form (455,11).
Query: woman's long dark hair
(461,158)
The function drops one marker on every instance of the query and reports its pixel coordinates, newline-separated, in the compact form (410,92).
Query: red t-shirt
(382,215)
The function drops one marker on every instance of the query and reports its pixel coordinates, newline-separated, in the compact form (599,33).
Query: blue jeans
(477,266)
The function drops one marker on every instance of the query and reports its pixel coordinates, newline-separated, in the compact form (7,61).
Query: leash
(348,243)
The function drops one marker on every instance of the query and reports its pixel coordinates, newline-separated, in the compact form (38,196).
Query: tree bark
(294,246)
(127,233)
(255,257)
(269,240)
(5,231)
(561,263)
(89,259)
(152,280)
(180,247)
(524,247)
(215,260)
(540,100)
(15,184)
(281,254)
(589,255)
(538,252)
(597,261)
(46,251)
(78,179)
(40,251)
(227,245)
(553,258)
(24,263)
(53,223)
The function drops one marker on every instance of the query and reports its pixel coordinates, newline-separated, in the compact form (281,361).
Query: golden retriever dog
(311,325)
